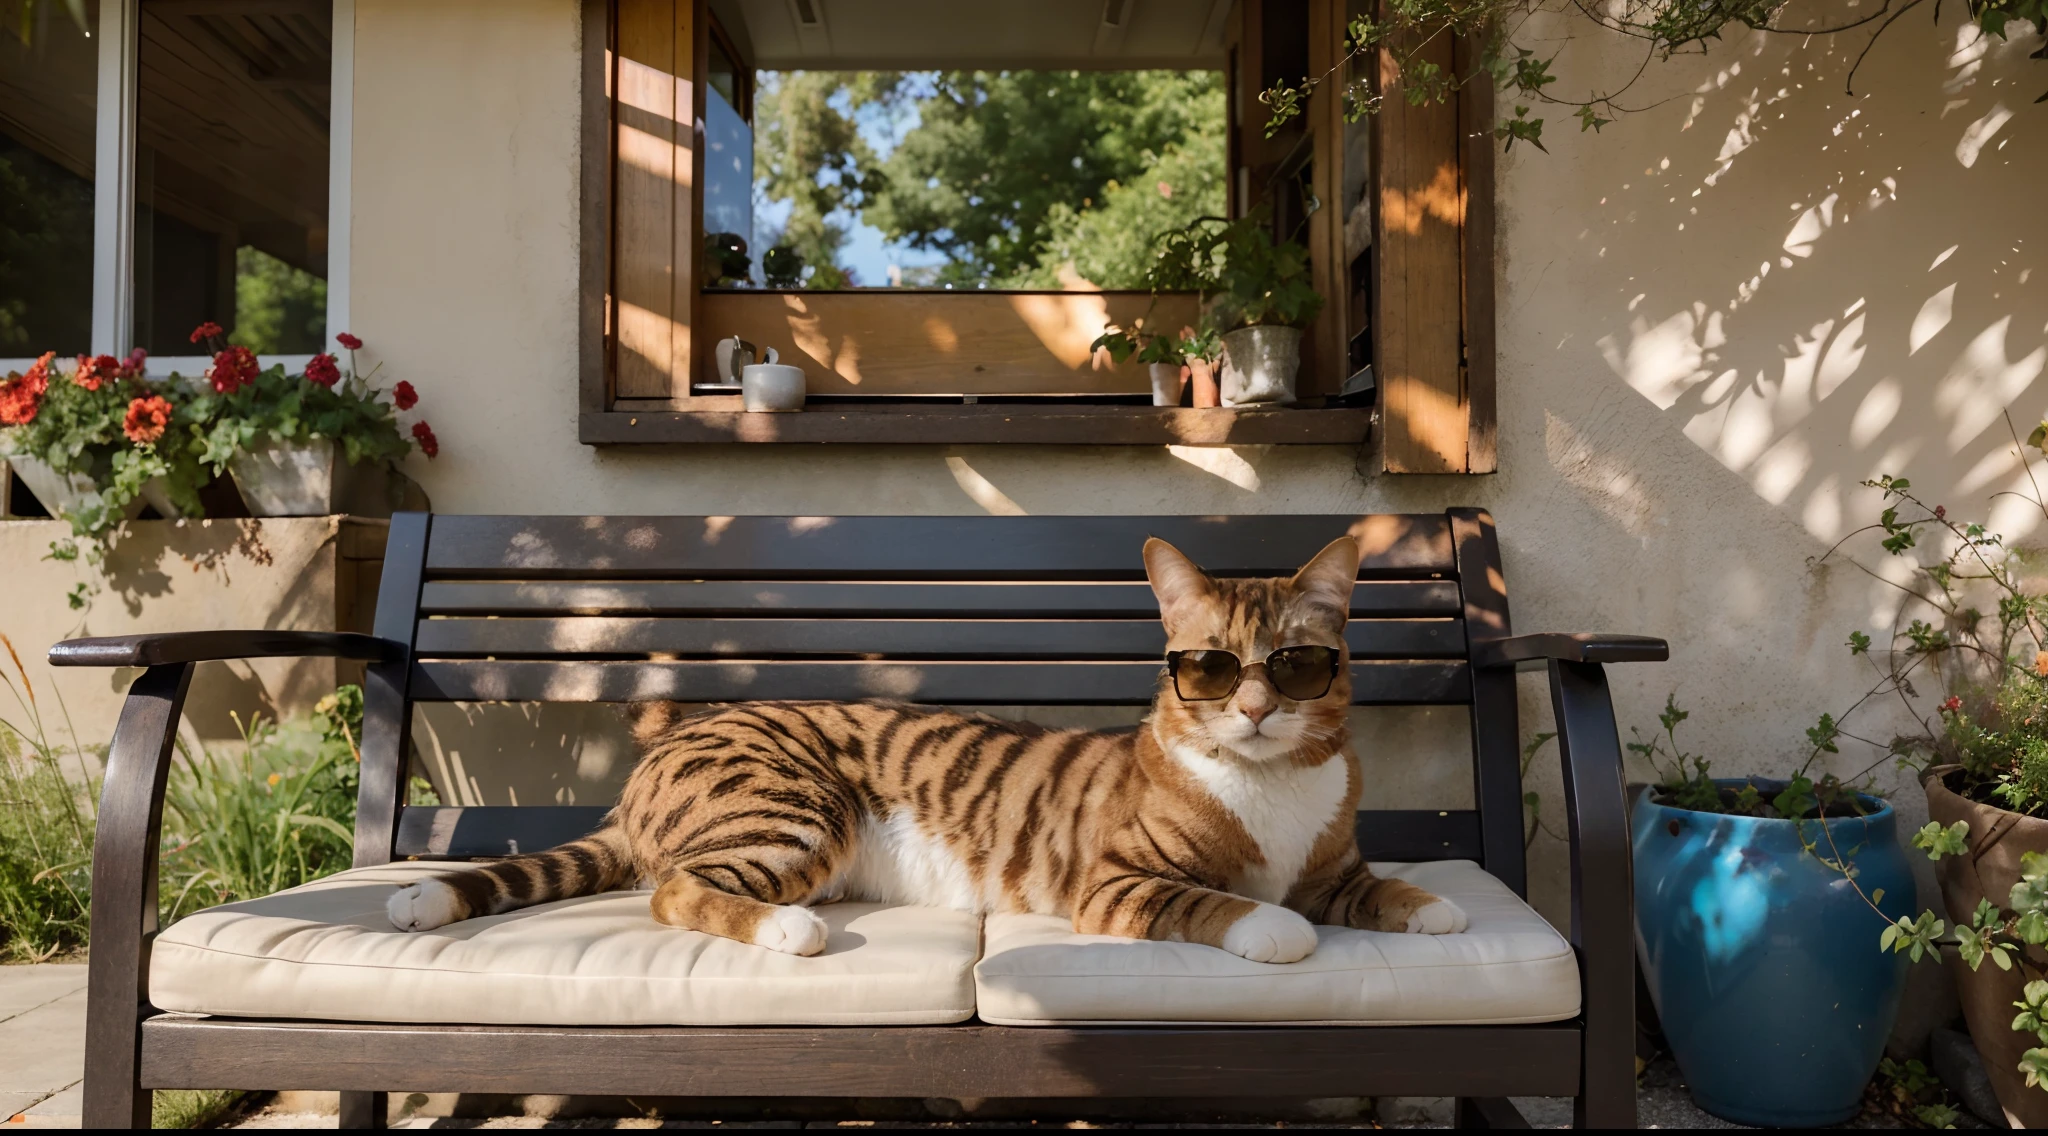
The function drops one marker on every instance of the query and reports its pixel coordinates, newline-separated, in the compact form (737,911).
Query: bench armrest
(1570,647)
(217,646)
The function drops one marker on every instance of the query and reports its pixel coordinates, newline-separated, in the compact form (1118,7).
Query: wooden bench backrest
(956,610)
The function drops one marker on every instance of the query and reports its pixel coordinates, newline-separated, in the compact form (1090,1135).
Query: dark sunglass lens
(1201,676)
(1302,673)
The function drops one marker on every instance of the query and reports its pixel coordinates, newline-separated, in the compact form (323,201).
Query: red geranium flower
(92,371)
(147,420)
(403,396)
(424,435)
(207,330)
(22,395)
(1952,705)
(322,371)
(232,370)
(347,340)
(135,364)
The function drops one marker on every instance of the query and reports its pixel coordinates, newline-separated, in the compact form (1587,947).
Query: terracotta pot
(1202,377)
(1988,871)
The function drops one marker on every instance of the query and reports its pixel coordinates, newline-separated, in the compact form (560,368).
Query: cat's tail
(597,863)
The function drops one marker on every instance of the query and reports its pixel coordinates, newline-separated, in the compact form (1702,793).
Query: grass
(268,814)
(191,1108)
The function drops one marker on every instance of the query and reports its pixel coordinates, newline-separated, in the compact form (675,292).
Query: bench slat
(880,638)
(914,548)
(458,832)
(1370,599)
(996,683)
(966,1060)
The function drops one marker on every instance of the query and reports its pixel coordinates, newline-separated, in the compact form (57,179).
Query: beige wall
(1716,318)
(177,576)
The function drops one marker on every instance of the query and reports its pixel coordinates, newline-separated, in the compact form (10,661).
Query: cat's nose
(1256,711)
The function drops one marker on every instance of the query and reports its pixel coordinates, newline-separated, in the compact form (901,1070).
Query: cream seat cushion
(1509,966)
(326,951)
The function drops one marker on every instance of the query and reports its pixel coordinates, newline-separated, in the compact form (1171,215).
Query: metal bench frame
(575,609)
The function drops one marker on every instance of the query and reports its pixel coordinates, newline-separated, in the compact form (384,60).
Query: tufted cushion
(1510,966)
(325,951)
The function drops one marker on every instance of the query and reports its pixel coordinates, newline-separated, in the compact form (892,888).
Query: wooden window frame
(1408,442)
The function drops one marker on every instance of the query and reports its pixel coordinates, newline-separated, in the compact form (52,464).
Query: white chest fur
(894,861)
(1284,807)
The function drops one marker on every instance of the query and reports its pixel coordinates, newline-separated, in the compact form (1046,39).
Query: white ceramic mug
(772,387)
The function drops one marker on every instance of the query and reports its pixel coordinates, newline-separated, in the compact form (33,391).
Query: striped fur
(1224,822)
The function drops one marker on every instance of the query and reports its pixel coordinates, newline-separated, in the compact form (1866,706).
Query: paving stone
(43,1050)
(24,988)
(61,1111)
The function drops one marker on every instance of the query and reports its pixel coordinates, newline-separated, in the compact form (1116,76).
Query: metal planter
(1260,364)
(63,494)
(307,479)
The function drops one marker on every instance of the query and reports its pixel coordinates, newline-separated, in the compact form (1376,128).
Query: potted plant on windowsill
(319,442)
(91,445)
(1257,293)
(1160,352)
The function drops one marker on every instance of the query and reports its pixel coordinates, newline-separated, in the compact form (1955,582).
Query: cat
(1225,819)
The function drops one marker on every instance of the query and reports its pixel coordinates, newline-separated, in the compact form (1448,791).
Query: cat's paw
(424,906)
(1438,917)
(792,930)
(1271,934)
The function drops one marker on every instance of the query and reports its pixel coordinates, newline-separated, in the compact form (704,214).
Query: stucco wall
(1716,317)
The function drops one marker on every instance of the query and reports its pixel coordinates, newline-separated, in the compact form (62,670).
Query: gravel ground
(1661,1102)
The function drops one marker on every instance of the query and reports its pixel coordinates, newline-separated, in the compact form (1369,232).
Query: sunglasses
(1300,673)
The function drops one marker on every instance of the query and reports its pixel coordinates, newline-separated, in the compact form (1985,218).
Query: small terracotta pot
(1997,839)
(1202,374)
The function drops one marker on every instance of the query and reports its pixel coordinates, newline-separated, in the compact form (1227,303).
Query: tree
(1665,28)
(1013,175)
(808,151)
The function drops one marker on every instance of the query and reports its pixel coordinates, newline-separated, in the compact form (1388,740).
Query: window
(814,193)
(47,101)
(210,196)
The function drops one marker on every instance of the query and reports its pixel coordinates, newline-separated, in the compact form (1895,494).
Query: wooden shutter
(1433,239)
(656,160)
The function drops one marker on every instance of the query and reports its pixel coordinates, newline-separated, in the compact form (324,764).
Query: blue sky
(866,253)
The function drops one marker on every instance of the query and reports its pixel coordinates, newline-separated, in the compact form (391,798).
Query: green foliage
(1248,278)
(191,1108)
(272,814)
(1405,29)
(1939,841)
(78,429)
(279,310)
(1017,176)
(1914,937)
(287,408)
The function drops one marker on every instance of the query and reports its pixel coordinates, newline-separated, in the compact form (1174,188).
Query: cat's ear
(1178,583)
(1326,581)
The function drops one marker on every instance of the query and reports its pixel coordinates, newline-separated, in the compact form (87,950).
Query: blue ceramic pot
(1763,963)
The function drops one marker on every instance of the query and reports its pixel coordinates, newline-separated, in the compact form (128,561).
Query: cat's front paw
(792,930)
(1438,917)
(1270,933)
(424,906)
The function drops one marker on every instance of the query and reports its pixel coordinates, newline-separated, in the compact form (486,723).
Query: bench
(988,611)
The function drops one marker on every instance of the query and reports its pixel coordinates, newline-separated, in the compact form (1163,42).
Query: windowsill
(956,424)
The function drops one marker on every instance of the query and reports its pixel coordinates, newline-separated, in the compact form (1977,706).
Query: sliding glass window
(48,64)
(232,136)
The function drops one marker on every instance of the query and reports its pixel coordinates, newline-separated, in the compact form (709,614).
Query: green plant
(46,829)
(1910,1091)
(1685,780)
(107,421)
(1251,279)
(1148,346)
(274,815)
(1407,35)
(249,406)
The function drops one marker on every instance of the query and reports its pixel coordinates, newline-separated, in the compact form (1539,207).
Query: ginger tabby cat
(1225,819)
